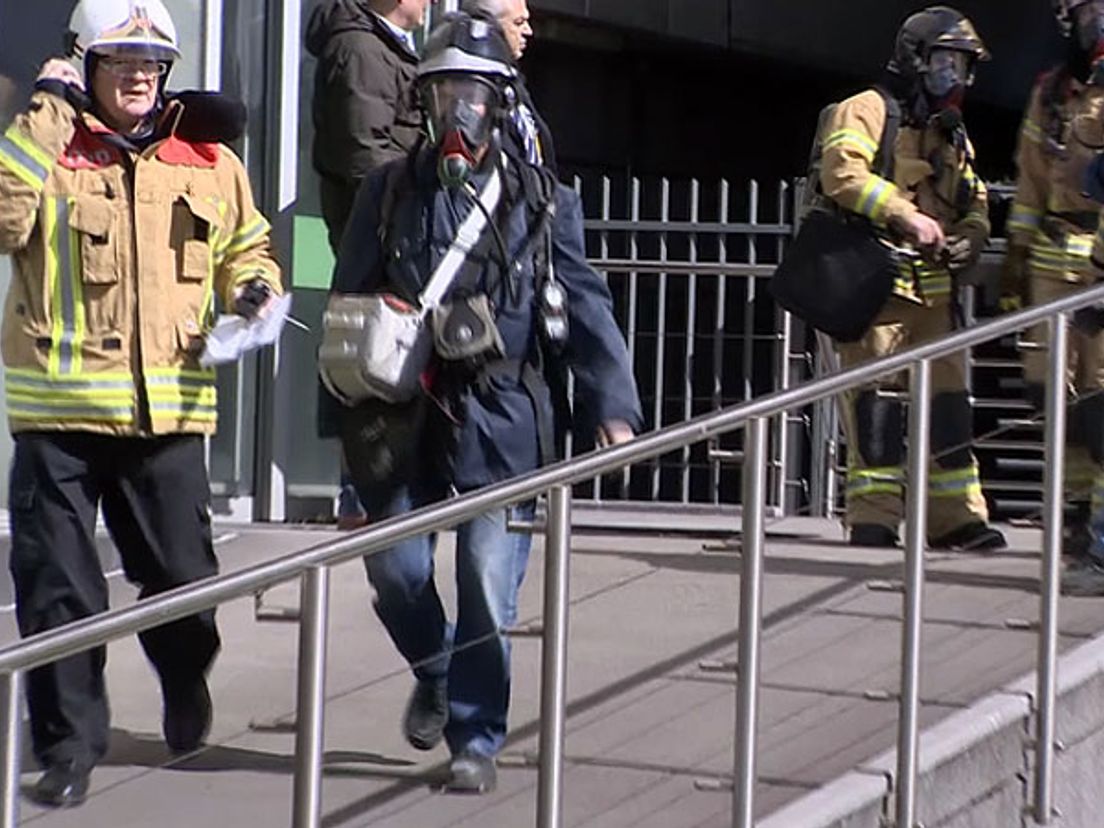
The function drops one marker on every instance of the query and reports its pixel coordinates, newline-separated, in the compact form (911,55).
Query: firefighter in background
(122,234)
(1050,238)
(937,205)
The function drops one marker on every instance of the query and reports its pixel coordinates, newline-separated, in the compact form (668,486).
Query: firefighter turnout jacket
(118,256)
(933,173)
(1050,215)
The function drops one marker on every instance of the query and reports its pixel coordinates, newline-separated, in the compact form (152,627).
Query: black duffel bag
(383,444)
(836,276)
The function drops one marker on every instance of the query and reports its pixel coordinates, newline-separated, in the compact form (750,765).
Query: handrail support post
(553,692)
(311,700)
(753,500)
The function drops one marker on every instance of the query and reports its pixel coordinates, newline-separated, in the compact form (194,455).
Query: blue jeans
(474,655)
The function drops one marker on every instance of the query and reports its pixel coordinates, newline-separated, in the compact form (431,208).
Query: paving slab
(650,708)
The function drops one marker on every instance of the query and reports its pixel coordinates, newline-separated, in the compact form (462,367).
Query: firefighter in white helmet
(124,231)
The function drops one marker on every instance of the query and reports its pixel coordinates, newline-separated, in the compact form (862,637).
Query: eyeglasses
(127,67)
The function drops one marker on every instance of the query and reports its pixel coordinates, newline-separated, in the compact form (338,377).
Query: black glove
(75,97)
(251,297)
(964,245)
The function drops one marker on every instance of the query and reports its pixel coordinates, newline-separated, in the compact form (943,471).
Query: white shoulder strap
(466,237)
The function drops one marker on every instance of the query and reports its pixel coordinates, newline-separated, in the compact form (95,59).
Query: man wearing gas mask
(1050,238)
(488,250)
(932,201)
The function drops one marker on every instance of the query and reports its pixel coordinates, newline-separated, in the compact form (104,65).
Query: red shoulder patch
(183,153)
(86,151)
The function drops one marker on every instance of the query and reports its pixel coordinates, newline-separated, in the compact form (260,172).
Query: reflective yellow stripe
(1047,256)
(932,281)
(858,141)
(25,158)
(246,235)
(883,480)
(182,394)
(874,196)
(955,483)
(1032,132)
(38,396)
(63,269)
(1022,223)
(37,155)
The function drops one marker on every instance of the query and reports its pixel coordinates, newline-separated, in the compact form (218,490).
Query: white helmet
(106,25)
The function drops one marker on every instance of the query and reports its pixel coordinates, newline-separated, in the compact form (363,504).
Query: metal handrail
(81,635)
(210,592)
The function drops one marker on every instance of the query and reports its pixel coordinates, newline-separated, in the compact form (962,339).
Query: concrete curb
(975,763)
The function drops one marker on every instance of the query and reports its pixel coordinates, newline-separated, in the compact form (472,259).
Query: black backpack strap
(885,161)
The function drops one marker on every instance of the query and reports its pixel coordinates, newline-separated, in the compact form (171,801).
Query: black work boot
(971,537)
(63,785)
(874,534)
(187,714)
(426,714)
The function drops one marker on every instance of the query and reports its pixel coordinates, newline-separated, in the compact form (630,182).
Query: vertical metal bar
(603,245)
(634,291)
(782,378)
(311,703)
(919,424)
(11,698)
(691,324)
(661,329)
(1046,691)
(784,324)
(212,44)
(752,504)
(749,307)
(824,484)
(719,328)
(553,701)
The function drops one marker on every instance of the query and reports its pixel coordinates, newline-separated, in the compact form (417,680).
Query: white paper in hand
(234,335)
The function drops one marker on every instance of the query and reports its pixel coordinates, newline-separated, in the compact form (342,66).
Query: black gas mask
(1086,40)
(461,111)
(949,72)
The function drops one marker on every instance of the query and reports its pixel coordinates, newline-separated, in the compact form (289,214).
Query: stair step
(1009,445)
(1003,403)
(988,363)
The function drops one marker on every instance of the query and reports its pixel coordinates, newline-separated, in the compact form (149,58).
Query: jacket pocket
(94,219)
(195,227)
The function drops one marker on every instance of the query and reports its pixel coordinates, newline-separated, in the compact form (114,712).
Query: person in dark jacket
(363,110)
(364,116)
(526,124)
(488,410)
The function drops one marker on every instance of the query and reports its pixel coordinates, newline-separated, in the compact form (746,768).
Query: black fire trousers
(155,500)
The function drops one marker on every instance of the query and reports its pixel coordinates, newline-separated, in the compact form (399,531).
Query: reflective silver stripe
(182,380)
(65,288)
(24,159)
(47,412)
(183,407)
(18,379)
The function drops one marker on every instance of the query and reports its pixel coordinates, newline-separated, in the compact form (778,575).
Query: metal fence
(312,566)
(685,262)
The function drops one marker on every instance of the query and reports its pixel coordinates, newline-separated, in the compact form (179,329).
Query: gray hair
(496,8)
